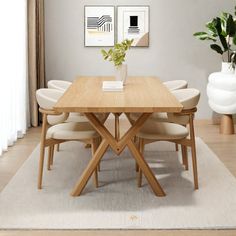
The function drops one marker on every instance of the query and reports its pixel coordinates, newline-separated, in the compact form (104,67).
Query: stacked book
(112,86)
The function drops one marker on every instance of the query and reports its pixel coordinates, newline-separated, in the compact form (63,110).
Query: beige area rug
(118,203)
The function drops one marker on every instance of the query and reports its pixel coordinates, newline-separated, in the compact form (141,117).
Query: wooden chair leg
(96,178)
(99,167)
(193,150)
(99,140)
(49,157)
(58,147)
(117,126)
(184,156)
(42,151)
(52,156)
(136,141)
(141,149)
(94,146)
(41,162)
(87,145)
(194,160)
(176,147)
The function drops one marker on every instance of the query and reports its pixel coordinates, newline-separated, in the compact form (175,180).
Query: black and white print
(99,26)
(133,23)
(133,28)
(103,23)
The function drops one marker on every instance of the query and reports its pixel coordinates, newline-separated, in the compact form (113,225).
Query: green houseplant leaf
(217,48)
(204,36)
(231,26)
(234,39)
(220,30)
(211,26)
(117,54)
(223,23)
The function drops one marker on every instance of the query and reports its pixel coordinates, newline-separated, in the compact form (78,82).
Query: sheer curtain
(13,71)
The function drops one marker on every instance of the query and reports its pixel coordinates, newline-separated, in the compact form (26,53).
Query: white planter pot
(121,73)
(227,68)
(221,92)
(221,97)
(221,81)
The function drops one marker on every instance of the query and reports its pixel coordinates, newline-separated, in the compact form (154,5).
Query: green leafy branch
(222,32)
(118,53)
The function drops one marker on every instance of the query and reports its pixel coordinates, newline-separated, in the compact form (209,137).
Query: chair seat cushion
(72,131)
(76,117)
(80,117)
(164,117)
(162,131)
(160,116)
(72,117)
(56,119)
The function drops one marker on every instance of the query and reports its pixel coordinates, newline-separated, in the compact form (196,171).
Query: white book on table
(112,86)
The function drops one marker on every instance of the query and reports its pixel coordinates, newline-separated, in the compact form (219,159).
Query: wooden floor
(224,146)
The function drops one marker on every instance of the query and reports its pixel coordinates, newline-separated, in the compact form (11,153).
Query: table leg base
(117,146)
(90,169)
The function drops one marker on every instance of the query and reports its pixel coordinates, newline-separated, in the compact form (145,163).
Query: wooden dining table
(144,95)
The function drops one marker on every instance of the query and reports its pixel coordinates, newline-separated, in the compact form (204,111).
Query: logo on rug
(133,217)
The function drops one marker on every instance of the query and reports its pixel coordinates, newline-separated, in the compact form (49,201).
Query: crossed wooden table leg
(118,145)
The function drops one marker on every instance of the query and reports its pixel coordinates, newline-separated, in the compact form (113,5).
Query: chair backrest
(47,98)
(61,85)
(189,98)
(176,84)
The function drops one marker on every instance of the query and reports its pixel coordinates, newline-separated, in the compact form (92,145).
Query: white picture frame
(133,23)
(99,26)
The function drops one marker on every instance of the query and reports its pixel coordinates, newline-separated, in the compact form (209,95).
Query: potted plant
(117,55)
(221,88)
(222,32)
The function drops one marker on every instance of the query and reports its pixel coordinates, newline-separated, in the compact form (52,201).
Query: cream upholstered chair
(69,117)
(60,132)
(172,85)
(176,84)
(62,86)
(175,129)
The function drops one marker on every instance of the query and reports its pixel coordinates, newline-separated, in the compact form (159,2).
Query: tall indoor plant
(117,55)
(221,31)
(221,88)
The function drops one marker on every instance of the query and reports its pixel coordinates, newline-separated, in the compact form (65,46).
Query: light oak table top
(141,94)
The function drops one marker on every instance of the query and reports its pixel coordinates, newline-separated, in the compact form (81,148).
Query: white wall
(173,53)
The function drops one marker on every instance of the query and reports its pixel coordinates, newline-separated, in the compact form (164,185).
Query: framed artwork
(133,23)
(99,26)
